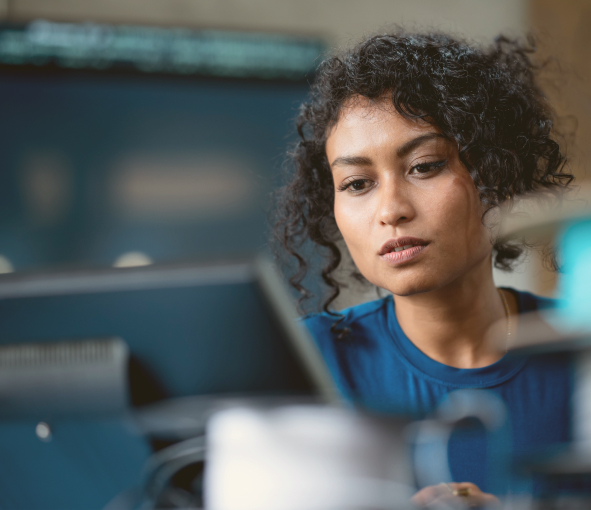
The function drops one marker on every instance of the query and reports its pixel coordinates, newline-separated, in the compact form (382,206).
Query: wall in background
(564,39)
(564,47)
(340,21)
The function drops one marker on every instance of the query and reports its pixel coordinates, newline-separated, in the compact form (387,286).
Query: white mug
(306,457)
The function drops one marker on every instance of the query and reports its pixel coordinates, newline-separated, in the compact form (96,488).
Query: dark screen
(206,339)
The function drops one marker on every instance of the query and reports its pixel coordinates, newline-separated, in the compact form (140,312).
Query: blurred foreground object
(327,458)
(567,225)
(564,329)
(540,217)
(305,457)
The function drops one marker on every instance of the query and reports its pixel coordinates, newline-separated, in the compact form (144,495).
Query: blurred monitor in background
(163,142)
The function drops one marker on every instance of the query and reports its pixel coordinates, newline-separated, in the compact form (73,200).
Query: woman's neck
(452,324)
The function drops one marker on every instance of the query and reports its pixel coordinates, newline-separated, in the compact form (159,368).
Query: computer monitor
(215,329)
(199,329)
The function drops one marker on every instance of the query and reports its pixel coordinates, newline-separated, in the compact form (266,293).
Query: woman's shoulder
(374,315)
(349,317)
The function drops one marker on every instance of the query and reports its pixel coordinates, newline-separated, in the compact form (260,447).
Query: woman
(408,145)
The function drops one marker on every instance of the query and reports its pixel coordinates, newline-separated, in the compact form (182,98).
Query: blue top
(378,366)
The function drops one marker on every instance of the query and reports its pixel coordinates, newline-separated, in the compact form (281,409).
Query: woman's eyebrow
(402,151)
(409,146)
(351,160)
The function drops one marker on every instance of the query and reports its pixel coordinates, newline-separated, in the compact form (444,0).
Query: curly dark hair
(485,98)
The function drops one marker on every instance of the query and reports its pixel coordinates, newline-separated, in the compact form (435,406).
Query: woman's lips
(398,257)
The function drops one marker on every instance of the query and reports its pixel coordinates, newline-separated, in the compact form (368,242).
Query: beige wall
(339,21)
(564,32)
(562,29)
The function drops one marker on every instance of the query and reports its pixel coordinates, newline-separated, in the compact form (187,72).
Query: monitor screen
(172,160)
(196,329)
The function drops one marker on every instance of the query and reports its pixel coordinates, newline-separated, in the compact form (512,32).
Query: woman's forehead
(364,121)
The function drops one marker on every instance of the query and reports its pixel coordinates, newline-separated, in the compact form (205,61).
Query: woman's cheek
(353,226)
(352,217)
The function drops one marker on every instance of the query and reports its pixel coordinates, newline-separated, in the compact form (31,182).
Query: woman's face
(404,202)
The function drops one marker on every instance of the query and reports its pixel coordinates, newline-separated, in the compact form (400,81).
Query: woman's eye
(356,185)
(425,168)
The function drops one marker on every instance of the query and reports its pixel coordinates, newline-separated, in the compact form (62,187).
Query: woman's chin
(408,289)
(409,285)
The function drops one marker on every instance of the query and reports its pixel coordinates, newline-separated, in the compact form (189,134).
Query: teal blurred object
(574,288)
(567,329)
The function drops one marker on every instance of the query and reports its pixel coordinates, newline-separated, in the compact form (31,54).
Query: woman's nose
(395,204)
